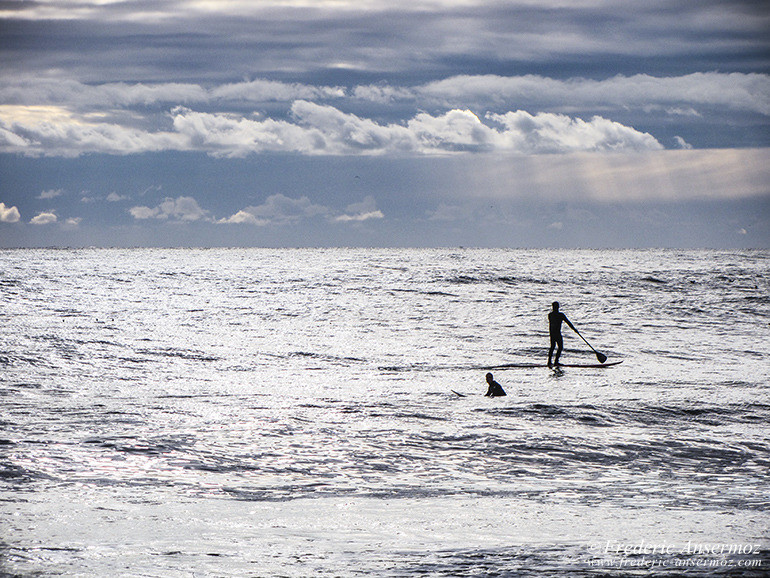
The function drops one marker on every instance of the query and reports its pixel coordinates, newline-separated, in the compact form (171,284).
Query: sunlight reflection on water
(260,412)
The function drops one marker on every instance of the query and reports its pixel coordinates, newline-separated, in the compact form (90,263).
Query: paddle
(600,356)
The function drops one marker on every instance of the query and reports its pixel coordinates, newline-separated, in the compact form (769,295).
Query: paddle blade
(601,357)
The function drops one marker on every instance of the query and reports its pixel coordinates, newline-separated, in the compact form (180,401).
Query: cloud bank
(283,210)
(247,120)
(315,129)
(277,210)
(748,92)
(525,114)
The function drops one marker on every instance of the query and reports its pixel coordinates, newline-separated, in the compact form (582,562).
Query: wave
(335,359)
(189,355)
(642,414)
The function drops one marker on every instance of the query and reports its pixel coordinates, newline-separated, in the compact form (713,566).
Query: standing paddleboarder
(555,319)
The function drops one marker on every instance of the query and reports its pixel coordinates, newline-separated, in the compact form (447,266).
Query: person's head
(490,379)
(555,305)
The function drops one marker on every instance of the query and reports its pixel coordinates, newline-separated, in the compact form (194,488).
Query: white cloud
(557,133)
(61,117)
(72,223)
(114,197)
(51,194)
(277,209)
(681,143)
(9,214)
(243,218)
(10,141)
(45,218)
(359,212)
(455,130)
(55,131)
(179,209)
(77,96)
(316,129)
(144,212)
(674,95)
(359,217)
(337,132)
(234,135)
(282,210)
(323,129)
(737,91)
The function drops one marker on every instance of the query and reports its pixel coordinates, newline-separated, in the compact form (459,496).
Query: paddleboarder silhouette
(555,319)
(495,389)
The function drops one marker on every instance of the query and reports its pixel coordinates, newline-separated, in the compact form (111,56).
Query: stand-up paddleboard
(598,365)
(535,365)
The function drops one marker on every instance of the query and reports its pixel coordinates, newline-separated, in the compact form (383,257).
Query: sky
(385,123)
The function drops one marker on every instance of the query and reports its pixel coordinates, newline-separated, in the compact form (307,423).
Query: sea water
(254,412)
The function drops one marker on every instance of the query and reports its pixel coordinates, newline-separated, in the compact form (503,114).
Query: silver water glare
(290,412)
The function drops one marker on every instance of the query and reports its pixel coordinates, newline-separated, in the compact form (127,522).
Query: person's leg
(559,346)
(550,351)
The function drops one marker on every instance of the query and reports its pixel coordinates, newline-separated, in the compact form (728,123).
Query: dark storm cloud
(173,41)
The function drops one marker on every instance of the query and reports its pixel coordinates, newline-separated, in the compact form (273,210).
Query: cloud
(278,210)
(45,218)
(234,135)
(675,95)
(556,133)
(381,36)
(29,90)
(9,214)
(260,90)
(322,129)
(282,210)
(179,209)
(736,91)
(359,212)
(47,117)
(446,212)
(51,194)
(151,189)
(457,130)
(114,197)
(243,218)
(145,213)
(55,131)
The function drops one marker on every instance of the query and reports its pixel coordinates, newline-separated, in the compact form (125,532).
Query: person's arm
(568,322)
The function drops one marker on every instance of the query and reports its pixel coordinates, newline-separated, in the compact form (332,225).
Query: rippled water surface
(291,413)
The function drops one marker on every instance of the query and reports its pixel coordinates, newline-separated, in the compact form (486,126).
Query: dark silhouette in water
(555,319)
(495,389)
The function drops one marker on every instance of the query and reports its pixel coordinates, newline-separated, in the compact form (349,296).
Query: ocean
(263,412)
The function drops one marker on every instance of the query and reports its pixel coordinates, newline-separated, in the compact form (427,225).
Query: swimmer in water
(495,389)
